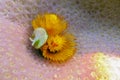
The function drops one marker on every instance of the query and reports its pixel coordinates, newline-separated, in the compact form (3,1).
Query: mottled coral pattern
(95,23)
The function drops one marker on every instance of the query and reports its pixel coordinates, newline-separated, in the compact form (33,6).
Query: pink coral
(95,24)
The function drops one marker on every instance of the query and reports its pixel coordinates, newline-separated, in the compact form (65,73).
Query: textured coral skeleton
(95,24)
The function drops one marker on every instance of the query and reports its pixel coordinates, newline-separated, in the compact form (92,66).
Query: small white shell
(39,37)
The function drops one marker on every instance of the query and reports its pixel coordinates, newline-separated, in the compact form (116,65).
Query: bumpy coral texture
(95,23)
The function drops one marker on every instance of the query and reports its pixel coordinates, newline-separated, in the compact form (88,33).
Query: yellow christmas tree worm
(59,48)
(50,38)
(52,23)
